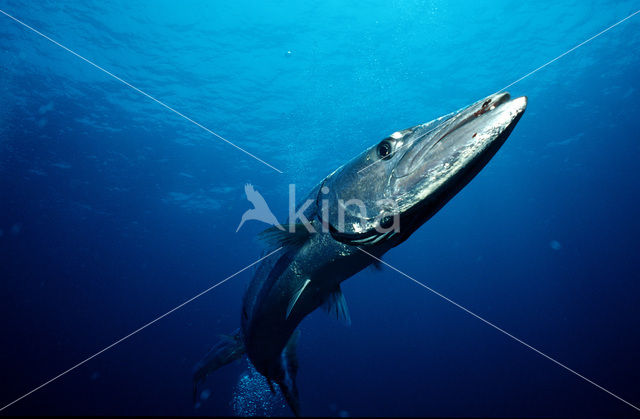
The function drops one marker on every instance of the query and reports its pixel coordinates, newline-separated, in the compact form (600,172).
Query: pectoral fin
(295,297)
(337,305)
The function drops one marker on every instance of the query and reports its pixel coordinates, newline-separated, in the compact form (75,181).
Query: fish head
(396,185)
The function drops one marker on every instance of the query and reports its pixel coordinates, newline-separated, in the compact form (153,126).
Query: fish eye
(386,221)
(384,149)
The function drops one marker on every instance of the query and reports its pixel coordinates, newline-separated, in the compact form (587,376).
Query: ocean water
(114,210)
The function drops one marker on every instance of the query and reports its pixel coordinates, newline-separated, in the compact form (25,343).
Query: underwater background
(113,210)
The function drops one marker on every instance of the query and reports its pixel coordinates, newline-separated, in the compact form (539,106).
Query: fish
(347,222)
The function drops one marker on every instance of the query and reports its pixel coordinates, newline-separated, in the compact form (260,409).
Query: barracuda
(401,182)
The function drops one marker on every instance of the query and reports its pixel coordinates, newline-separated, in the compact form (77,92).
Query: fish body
(372,203)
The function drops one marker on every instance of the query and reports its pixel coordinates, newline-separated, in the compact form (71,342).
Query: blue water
(113,210)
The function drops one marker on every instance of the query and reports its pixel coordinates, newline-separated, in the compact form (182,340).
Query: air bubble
(252,396)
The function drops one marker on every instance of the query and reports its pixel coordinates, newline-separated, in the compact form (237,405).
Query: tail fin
(229,349)
(290,364)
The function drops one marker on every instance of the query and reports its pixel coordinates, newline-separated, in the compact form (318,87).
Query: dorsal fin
(337,305)
(229,349)
(296,295)
(292,235)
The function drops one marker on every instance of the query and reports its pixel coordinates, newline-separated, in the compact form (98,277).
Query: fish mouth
(411,174)
(471,128)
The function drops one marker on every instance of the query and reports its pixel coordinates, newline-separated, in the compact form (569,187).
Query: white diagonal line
(571,50)
(535,71)
(138,330)
(500,330)
(140,91)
